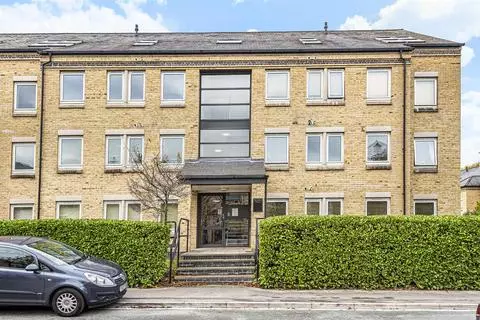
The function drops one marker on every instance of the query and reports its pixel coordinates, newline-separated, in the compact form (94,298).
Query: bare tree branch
(155,182)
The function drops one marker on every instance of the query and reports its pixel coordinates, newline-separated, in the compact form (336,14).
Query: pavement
(242,297)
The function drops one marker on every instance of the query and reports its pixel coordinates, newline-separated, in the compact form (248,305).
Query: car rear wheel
(68,302)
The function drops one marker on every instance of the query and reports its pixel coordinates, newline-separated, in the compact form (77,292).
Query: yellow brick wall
(470,197)
(354,180)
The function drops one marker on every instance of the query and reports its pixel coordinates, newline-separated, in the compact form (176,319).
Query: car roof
(19,240)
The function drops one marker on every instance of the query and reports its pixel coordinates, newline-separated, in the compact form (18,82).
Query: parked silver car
(39,271)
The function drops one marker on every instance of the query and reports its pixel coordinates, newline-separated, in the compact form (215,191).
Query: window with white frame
(315,84)
(173,86)
(277,85)
(69,209)
(425,152)
(171,148)
(23,160)
(25,97)
(425,207)
(324,148)
(378,147)
(334,147)
(124,150)
(277,207)
(336,83)
(276,148)
(72,87)
(122,210)
(426,92)
(379,84)
(70,155)
(21,211)
(324,206)
(377,206)
(126,87)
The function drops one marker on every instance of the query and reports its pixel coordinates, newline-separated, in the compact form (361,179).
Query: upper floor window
(377,206)
(379,84)
(324,206)
(334,147)
(124,150)
(326,147)
(171,148)
(425,152)
(315,85)
(23,160)
(278,85)
(128,86)
(426,92)
(72,87)
(25,97)
(173,86)
(276,148)
(21,211)
(336,83)
(378,150)
(68,210)
(70,155)
(425,207)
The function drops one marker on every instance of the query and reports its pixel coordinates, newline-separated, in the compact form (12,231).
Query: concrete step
(217,256)
(215,279)
(216,262)
(235,270)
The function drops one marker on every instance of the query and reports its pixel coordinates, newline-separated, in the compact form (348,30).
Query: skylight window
(406,39)
(310,41)
(229,41)
(143,43)
(56,43)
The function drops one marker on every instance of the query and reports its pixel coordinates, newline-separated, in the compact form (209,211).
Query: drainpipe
(40,146)
(265,198)
(404,138)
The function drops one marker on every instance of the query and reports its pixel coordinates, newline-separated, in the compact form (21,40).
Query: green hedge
(139,247)
(370,252)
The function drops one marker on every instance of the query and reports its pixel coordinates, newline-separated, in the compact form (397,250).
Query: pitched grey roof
(470,178)
(223,169)
(206,42)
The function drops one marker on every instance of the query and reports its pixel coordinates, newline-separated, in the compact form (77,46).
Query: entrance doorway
(224,219)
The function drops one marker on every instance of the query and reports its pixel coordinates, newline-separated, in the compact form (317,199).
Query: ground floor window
(425,207)
(277,207)
(122,210)
(324,206)
(21,211)
(377,206)
(69,210)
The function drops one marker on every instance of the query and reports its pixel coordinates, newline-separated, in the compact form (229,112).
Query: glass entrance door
(224,219)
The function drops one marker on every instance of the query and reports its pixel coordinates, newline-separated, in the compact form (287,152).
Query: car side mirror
(32,267)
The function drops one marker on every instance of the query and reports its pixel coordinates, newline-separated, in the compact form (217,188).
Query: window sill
(125,105)
(20,175)
(25,113)
(425,109)
(69,170)
(324,167)
(172,104)
(376,102)
(72,105)
(378,166)
(431,169)
(326,102)
(276,167)
(277,103)
(119,169)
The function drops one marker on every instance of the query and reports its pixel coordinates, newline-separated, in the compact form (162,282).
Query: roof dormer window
(143,43)
(400,39)
(56,43)
(310,41)
(229,41)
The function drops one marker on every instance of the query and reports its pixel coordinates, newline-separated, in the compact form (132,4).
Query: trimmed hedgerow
(140,248)
(307,252)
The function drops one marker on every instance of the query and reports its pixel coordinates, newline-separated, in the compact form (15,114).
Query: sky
(457,20)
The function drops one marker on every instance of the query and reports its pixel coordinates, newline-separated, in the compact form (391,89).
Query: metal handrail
(257,247)
(175,243)
(172,249)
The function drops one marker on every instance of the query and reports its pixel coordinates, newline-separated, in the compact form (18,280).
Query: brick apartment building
(315,122)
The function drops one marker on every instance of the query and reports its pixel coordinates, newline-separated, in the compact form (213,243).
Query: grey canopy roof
(470,178)
(212,171)
(214,42)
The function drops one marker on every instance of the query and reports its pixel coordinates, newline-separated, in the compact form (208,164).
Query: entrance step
(216,266)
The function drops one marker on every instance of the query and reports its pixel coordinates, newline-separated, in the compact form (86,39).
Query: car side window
(14,258)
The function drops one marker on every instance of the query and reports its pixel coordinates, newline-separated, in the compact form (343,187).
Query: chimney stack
(136,29)
(325,27)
